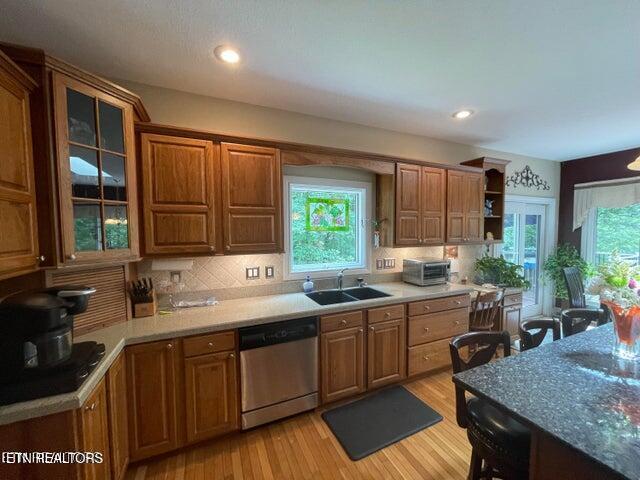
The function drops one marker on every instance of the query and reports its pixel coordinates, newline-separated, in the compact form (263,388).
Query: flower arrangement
(617,283)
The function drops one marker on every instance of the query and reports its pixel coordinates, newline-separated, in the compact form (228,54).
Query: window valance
(608,194)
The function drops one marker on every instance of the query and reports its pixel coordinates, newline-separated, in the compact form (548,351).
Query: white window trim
(326,182)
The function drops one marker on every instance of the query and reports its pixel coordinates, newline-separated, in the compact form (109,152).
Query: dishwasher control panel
(279,332)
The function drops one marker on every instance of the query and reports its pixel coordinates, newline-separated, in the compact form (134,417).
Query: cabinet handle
(212,248)
(360,330)
(227,247)
(427,307)
(426,329)
(40,258)
(71,257)
(90,407)
(425,358)
(169,346)
(458,302)
(372,328)
(343,322)
(387,314)
(210,345)
(457,322)
(232,355)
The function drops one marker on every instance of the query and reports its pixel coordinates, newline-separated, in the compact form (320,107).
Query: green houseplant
(564,256)
(499,272)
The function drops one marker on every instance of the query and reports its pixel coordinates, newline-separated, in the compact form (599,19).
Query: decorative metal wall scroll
(527,178)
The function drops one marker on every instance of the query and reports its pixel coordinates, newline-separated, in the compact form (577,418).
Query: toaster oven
(426,271)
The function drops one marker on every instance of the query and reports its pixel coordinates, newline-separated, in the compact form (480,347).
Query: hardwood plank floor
(303,447)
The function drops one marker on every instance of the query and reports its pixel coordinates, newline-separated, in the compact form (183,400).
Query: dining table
(581,403)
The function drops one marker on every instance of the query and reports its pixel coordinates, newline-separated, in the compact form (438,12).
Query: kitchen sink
(330,297)
(365,293)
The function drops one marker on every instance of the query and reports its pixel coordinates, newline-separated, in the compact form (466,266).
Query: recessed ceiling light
(227,54)
(462,114)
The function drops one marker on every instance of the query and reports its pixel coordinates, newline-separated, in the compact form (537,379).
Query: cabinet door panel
(386,352)
(151,390)
(455,206)
(433,201)
(118,417)
(94,433)
(342,364)
(474,207)
(251,199)
(211,403)
(18,228)
(180,209)
(407,204)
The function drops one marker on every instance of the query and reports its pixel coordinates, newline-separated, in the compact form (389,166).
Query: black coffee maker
(37,352)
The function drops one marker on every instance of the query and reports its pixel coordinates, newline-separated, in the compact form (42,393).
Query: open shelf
(493,192)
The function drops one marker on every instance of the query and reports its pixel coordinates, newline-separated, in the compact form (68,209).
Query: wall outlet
(389,263)
(379,263)
(253,273)
(175,277)
(269,271)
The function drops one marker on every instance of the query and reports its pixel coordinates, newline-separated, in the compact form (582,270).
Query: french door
(524,240)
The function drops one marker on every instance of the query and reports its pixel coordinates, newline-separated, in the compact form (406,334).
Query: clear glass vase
(626,323)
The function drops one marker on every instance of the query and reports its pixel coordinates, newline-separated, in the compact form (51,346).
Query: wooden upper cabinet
(386,352)
(152,380)
(251,199)
(407,204)
(180,179)
(465,207)
(96,171)
(93,431)
(211,401)
(118,418)
(420,205)
(433,205)
(18,235)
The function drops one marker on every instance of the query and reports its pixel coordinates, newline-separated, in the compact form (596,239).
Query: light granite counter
(228,314)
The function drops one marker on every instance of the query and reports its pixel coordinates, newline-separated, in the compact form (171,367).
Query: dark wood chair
(578,316)
(500,444)
(529,339)
(485,311)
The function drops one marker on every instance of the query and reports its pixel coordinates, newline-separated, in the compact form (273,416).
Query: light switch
(268,271)
(379,263)
(389,263)
(253,273)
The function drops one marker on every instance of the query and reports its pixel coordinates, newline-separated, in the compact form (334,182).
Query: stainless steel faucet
(340,277)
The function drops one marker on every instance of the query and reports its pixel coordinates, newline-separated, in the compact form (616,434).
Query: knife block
(145,309)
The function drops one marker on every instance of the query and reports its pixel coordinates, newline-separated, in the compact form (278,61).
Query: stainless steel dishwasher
(278,370)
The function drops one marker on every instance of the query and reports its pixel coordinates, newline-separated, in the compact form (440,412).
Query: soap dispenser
(307,286)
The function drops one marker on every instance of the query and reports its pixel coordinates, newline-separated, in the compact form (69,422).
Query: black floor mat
(372,423)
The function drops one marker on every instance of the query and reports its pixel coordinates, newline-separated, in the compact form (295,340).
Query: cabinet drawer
(430,356)
(383,314)
(215,342)
(513,299)
(436,326)
(331,323)
(438,305)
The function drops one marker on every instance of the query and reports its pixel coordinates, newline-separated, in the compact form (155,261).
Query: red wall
(608,166)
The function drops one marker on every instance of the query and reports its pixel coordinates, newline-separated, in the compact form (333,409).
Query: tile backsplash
(226,276)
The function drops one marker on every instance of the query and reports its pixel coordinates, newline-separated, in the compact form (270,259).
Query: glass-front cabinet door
(97,184)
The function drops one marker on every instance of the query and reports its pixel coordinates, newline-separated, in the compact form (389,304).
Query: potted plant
(564,256)
(500,272)
(617,283)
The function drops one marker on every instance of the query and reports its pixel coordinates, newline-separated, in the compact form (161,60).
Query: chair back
(574,321)
(530,340)
(575,287)
(486,344)
(485,310)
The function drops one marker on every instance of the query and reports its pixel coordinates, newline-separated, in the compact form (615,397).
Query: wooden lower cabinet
(386,352)
(93,432)
(211,395)
(342,363)
(152,389)
(428,357)
(118,419)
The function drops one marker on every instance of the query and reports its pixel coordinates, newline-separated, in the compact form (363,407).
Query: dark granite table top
(574,390)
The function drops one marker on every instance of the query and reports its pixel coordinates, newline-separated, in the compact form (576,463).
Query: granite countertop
(575,391)
(228,314)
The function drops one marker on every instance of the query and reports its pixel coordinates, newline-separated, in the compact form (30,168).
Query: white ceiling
(554,79)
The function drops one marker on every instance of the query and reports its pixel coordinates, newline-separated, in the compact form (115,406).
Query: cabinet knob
(425,358)
(372,328)
(210,345)
(71,257)
(169,346)
(212,248)
(360,330)
(457,322)
(227,247)
(232,355)
(458,302)
(90,407)
(427,307)
(426,329)
(387,314)
(40,258)
(343,322)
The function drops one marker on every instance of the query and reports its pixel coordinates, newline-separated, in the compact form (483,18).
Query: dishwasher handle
(279,332)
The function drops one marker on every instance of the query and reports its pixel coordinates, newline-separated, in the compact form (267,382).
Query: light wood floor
(303,447)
